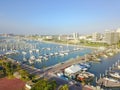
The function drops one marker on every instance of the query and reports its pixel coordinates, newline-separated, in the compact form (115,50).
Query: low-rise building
(70,71)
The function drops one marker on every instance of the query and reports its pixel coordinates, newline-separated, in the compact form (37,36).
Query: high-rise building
(111,37)
(96,36)
(75,35)
(118,30)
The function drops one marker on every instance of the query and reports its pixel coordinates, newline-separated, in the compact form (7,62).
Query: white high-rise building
(111,37)
(75,35)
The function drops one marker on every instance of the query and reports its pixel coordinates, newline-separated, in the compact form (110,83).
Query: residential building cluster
(109,37)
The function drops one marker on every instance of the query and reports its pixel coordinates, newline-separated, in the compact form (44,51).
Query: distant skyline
(58,16)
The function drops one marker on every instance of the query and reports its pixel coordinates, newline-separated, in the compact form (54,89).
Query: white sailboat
(24,53)
(38,60)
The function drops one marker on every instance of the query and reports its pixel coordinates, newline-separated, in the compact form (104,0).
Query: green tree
(24,75)
(64,87)
(44,85)
(9,68)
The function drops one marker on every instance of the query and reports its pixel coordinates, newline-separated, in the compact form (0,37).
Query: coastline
(69,44)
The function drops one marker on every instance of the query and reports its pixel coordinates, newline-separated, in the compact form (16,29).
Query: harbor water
(52,60)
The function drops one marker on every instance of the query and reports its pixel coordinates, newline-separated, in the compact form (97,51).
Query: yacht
(115,75)
(45,58)
(66,53)
(85,76)
(24,59)
(32,57)
(46,55)
(111,79)
(38,60)
(37,50)
(61,54)
(56,53)
(51,54)
(118,66)
(105,56)
(31,61)
(60,74)
(40,57)
(87,65)
(111,54)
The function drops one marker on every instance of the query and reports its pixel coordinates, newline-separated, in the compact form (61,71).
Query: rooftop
(11,84)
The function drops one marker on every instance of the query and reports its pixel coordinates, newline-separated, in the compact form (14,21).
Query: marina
(42,58)
(40,54)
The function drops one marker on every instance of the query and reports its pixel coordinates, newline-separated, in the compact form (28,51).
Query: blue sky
(58,16)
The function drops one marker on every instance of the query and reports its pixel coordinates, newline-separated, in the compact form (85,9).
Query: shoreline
(68,44)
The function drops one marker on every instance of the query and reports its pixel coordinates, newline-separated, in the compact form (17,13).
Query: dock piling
(96,80)
(100,75)
(106,72)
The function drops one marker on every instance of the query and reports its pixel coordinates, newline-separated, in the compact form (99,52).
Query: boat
(40,57)
(61,54)
(59,74)
(108,82)
(37,50)
(111,79)
(118,66)
(51,54)
(48,48)
(46,55)
(11,52)
(32,57)
(83,67)
(56,53)
(75,49)
(24,59)
(45,58)
(87,65)
(98,59)
(38,60)
(114,75)
(30,51)
(31,61)
(66,53)
(105,56)
(110,54)
(85,76)
(24,53)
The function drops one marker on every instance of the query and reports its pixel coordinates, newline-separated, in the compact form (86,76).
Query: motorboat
(38,60)
(85,76)
(114,75)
